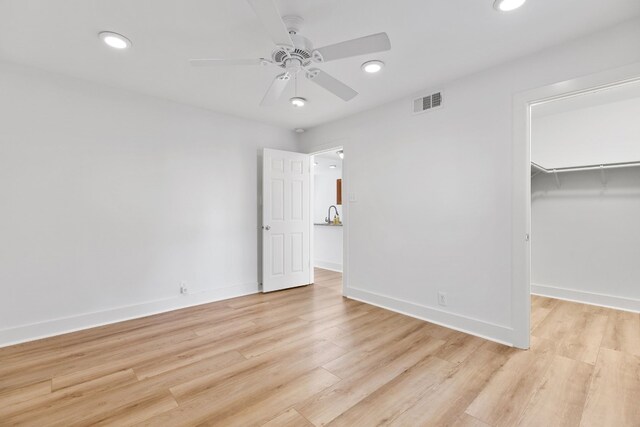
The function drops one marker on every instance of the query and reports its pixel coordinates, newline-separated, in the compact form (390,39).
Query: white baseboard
(490,331)
(591,298)
(65,325)
(328,265)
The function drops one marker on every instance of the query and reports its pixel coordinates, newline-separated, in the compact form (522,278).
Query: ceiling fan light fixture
(507,5)
(298,102)
(114,40)
(372,67)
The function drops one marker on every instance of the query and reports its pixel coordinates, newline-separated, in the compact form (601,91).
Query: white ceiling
(433,41)
(325,160)
(331,155)
(610,95)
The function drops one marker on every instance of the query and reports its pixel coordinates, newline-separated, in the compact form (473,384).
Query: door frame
(345,213)
(521,182)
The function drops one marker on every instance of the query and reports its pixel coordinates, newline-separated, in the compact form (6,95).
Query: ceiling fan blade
(275,90)
(331,84)
(272,21)
(224,62)
(362,46)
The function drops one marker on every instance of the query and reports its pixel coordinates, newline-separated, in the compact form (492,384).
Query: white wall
(111,199)
(327,240)
(606,133)
(585,243)
(328,247)
(433,209)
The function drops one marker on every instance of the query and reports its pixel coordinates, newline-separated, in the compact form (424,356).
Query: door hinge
(526,237)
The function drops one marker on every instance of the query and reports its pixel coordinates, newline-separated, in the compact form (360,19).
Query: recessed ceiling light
(332,166)
(340,154)
(298,102)
(507,5)
(372,66)
(115,40)
(299,130)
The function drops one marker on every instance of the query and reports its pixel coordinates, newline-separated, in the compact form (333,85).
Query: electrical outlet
(183,289)
(442,299)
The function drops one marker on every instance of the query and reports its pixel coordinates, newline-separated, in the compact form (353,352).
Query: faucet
(328,218)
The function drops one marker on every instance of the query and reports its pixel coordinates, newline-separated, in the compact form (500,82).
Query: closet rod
(586,167)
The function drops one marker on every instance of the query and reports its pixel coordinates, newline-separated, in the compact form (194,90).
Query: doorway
(524,111)
(328,217)
(302,216)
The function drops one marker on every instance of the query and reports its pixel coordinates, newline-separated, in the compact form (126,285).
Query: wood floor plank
(370,374)
(289,418)
(614,395)
(91,409)
(68,396)
(518,379)
(225,328)
(135,413)
(300,356)
(357,360)
(499,348)
(447,401)
(559,322)
(173,362)
(89,396)
(397,395)
(141,330)
(538,315)
(540,302)
(229,392)
(466,420)
(582,341)
(458,347)
(623,332)
(258,347)
(560,398)
(372,335)
(26,393)
(103,366)
(109,362)
(260,411)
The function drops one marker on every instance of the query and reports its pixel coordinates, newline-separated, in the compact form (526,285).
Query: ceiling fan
(295,53)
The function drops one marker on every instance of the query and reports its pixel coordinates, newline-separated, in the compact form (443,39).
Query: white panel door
(286,220)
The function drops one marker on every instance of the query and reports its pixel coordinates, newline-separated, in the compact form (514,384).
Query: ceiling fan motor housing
(298,56)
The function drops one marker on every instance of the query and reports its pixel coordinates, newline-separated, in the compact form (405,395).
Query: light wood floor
(307,356)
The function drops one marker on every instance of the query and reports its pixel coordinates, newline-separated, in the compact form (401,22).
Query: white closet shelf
(601,167)
(585,167)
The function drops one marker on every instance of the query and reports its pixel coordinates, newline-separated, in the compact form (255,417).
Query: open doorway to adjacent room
(328,218)
(585,205)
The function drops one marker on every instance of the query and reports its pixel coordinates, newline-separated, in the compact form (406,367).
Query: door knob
(267,227)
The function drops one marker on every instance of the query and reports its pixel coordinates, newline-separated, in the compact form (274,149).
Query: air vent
(427,103)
